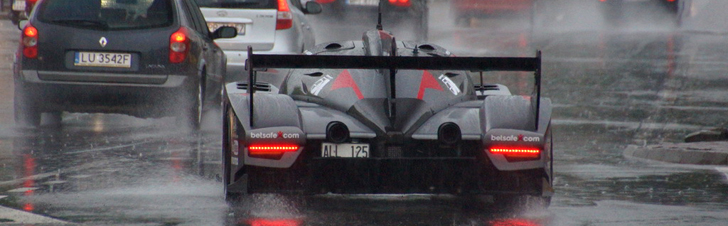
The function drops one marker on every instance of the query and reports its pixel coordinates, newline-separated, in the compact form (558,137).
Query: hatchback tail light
(179,46)
(29,41)
(325,1)
(400,3)
(29,5)
(284,19)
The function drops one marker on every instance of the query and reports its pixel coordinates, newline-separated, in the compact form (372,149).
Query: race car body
(383,116)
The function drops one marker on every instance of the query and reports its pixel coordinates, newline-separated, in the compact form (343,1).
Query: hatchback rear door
(122,36)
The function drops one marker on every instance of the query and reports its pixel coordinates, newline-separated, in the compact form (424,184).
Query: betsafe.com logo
(273,135)
(520,137)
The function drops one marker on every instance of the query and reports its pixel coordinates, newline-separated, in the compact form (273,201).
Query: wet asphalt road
(642,82)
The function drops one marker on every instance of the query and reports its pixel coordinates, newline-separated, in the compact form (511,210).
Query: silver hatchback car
(268,26)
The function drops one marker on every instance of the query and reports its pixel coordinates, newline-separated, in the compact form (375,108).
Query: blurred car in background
(20,9)
(465,10)
(145,58)
(613,10)
(270,26)
(410,17)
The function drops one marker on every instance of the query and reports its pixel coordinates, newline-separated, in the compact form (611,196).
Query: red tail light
(179,46)
(29,5)
(29,41)
(325,1)
(271,150)
(400,3)
(274,222)
(284,19)
(516,152)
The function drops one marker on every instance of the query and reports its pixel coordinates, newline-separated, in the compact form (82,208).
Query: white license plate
(363,2)
(345,150)
(212,26)
(98,59)
(19,6)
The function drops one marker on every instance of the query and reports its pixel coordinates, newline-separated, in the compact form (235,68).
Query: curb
(696,153)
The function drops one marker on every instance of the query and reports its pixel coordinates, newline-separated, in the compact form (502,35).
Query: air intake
(486,87)
(260,86)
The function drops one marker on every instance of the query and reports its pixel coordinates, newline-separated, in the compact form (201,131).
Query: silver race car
(381,116)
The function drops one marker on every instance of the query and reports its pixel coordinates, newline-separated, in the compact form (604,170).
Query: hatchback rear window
(107,14)
(235,4)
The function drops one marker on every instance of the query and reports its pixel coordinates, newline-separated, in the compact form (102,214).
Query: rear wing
(256,62)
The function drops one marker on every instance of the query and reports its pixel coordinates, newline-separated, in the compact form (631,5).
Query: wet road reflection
(378,210)
(112,168)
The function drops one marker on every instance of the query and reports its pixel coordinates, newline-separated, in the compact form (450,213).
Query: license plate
(344,150)
(19,6)
(363,2)
(98,59)
(212,26)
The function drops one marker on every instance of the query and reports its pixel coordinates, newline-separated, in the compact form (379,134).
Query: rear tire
(27,113)
(613,13)
(52,119)
(230,127)
(511,203)
(463,21)
(191,115)
(14,17)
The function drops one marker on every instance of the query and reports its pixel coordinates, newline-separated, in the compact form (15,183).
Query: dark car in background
(20,9)
(145,58)
(465,10)
(616,10)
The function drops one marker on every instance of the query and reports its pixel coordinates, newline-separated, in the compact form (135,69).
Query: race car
(381,116)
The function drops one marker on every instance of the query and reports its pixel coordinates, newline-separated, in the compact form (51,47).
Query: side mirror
(22,23)
(313,7)
(225,32)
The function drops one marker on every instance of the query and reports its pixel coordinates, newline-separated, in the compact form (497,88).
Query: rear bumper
(453,175)
(137,95)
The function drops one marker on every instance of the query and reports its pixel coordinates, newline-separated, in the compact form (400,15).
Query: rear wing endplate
(257,62)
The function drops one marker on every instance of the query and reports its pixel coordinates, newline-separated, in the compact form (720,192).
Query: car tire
(27,113)
(463,21)
(512,202)
(14,17)
(191,115)
(52,119)
(612,11)
(229,125)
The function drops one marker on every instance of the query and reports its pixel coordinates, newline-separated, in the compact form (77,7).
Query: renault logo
(222,13)
(103,41)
